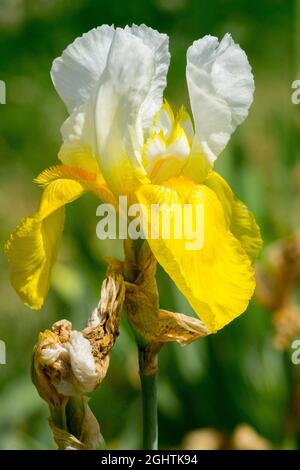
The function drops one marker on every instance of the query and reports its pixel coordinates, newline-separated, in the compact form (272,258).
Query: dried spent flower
(68,363)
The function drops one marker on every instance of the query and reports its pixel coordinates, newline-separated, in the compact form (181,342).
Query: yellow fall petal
(217,279)
(240,220)
(32,247)
(31,252)
(87,181)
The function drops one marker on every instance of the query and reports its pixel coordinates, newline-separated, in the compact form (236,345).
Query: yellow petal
(240,220)
(86,181)
(78,147)
(73,153)
(197,166)
(163,158)
(31,251)
(167,148)
(32,248)
(217,278)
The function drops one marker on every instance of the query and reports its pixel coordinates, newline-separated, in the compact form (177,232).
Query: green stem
(149,404)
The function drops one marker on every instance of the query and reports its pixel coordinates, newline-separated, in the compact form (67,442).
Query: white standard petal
(124,87)
(76,73)
(159,45)
(221,89)
(112,81)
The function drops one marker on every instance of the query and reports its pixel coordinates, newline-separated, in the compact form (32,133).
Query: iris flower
(122,138)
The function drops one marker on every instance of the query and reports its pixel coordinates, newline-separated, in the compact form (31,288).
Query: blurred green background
(236,376)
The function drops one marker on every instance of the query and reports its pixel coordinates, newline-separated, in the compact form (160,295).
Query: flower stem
(149,402)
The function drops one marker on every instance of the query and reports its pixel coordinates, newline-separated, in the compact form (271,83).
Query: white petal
(164,159)
(73,126)
(112,82)
(159,45)
(79,145)
(82,361)
(81,64)
(185,122)
(79,126)
(167,149)
(163,120)
(123,88)
(221,89)
(76,72)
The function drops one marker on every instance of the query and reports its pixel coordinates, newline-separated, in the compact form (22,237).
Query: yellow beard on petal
(31,252)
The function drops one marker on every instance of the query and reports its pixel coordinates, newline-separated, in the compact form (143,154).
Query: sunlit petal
(75,74)
(32,247)
(159,45)
(123,88)
(168,146)
(31,252)
(221,89)
(79,147)
(217,279)
(112,81)
(240,220)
